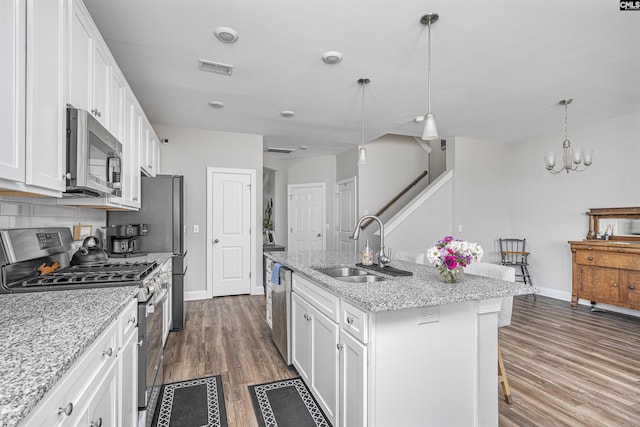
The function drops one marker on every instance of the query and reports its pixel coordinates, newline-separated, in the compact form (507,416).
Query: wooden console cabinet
(606,271)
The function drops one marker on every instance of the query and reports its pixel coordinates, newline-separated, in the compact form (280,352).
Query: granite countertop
(422,289)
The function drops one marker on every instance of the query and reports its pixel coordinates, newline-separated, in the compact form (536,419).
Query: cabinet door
(353,382)
(301,336)
(12,88)
(103,404)
(600,284)
(632,288)
(130,152)
(128,389)
(100,84)
(80,50)
(324,362)
(45,84)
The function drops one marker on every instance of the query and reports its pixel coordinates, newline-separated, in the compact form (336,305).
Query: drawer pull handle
(108,352)
(67,410)
(350,320)
(590,258)
(132,320)
(96,423)
(631,287)
(340,346)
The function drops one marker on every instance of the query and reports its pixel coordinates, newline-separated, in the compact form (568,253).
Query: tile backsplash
(27,212)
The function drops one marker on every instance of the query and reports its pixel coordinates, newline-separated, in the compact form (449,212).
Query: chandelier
(572,158)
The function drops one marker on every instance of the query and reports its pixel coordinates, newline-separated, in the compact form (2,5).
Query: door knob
(216,241)
(319,235)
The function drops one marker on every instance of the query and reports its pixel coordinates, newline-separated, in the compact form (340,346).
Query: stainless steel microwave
(94,157)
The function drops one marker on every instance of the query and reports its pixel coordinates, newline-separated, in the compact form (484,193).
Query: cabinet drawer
(127,320)
(324,301)
(355,321)
(612,260)
(72,390)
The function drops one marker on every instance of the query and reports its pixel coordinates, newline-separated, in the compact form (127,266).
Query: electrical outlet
(428,314)
(196,228)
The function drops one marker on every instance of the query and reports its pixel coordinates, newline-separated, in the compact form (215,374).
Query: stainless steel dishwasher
(280,312)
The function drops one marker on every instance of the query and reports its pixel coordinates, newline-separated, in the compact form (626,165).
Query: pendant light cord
(429,67)
(362,133)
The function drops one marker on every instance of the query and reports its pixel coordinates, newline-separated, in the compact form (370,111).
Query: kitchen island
(406,351)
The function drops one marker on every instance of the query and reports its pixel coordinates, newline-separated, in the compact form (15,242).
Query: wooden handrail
(395,199)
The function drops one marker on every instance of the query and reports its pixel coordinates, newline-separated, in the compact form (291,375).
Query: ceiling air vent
(279,150)
(215,67)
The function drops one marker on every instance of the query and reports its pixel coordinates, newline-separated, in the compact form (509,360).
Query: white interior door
(307,214)
(229,231)
(346,213)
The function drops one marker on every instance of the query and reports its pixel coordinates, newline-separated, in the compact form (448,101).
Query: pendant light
(571,157)
(362,151)
(430,130)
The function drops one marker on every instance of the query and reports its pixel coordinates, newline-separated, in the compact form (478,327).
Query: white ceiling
(499,68)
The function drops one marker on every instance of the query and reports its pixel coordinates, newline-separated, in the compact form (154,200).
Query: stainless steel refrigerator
(162,210)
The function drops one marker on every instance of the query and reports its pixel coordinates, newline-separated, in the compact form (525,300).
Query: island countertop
(424,288)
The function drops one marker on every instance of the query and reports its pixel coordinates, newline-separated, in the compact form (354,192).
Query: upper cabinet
(32,97)
(96,84)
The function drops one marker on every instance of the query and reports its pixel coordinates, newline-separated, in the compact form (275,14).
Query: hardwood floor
(227,336)
(565,367)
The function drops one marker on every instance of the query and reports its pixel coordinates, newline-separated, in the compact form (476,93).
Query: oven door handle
(151,306)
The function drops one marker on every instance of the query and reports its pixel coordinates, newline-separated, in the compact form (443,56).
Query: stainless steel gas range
(39,260)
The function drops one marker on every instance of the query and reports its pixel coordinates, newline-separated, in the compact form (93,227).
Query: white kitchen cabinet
(32,86)
(102,383)
(89,65)
(13,33)
(128,367)
(150,150)
(315,343)
(102,408)
(353,381)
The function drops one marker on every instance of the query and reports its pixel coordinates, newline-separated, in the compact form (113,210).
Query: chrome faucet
(383,259)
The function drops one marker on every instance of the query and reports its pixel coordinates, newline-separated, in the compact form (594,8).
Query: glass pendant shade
(362,156)
(430,129)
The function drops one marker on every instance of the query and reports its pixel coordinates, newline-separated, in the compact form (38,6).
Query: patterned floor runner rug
(286,403)
(193,403)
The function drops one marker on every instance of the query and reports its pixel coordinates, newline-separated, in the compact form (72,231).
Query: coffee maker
(122,240)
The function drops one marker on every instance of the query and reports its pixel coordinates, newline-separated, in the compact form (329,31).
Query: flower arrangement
(451,255)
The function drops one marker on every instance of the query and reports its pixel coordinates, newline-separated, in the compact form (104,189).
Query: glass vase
(451,276)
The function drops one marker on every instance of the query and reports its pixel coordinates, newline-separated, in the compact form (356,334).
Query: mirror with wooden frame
(621,224)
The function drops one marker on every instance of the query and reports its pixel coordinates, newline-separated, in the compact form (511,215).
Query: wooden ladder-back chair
(513,253)
(495,271)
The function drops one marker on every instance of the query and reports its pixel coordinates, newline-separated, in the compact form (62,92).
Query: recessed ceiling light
(332,57)
(226,34)
(216,104)
(287,113)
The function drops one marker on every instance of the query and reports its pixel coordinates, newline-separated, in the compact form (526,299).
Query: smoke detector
(332,57)
(226,34)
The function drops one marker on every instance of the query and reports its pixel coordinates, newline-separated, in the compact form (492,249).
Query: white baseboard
(566,296)
(195,295)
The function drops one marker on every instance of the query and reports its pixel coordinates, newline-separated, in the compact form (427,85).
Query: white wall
(504,190)
(481,194)
(189,153)
(549,210)
(393,163)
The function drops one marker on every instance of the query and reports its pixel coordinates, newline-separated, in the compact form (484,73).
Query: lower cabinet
(353,381)
(100,389)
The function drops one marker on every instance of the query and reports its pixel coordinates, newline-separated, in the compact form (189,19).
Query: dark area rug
(193,403)
(286,403)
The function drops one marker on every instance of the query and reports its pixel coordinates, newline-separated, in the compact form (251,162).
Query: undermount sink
(350,274)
